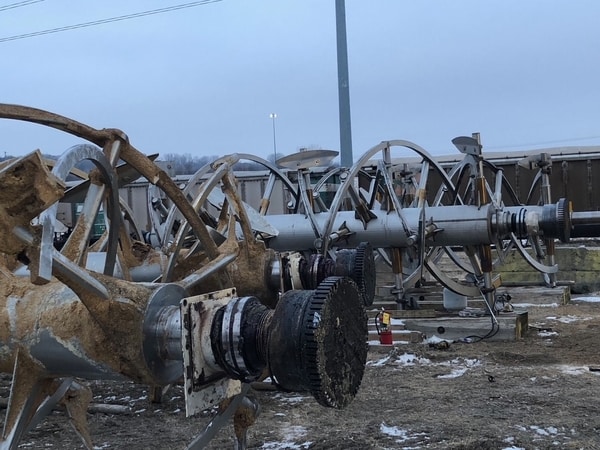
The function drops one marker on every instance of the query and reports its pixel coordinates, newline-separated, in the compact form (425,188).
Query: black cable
(108,20)
(475,338)
(19,4)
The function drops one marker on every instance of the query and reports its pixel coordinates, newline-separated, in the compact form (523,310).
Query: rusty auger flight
(214,293)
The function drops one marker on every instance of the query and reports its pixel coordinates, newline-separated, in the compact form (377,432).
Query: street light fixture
(273,116)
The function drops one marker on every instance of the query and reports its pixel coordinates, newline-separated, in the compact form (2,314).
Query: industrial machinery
(217,293)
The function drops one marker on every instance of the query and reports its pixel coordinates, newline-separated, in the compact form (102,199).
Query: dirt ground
(536,393)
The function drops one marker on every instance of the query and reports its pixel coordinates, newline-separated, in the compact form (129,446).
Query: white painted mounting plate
(197,315)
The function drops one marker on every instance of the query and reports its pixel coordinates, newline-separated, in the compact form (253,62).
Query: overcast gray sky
(203,80)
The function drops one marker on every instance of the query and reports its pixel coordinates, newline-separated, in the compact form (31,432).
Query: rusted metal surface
(28,188)
(110,308)
(215,292)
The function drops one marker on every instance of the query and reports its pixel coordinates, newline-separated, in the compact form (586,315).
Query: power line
(108,20)
(19,4)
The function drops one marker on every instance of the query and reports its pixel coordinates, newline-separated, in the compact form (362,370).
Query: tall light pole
(343,85)
(273,116)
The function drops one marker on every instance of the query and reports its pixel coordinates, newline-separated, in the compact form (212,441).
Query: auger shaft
(460,225)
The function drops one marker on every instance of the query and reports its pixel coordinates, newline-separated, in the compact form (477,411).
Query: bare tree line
(186,163)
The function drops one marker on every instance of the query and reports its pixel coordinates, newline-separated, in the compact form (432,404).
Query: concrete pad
(511,326)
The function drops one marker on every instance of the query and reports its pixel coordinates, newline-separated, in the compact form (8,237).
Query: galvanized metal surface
(111,308)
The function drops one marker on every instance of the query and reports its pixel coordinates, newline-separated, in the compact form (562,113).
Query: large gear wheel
(362,266)
(335,355)
(356,263)
(318,341)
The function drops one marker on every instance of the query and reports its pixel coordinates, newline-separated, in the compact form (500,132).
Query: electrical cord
(108,20)
(493,330)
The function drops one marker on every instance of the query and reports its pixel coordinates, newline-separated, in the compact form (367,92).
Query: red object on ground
(385,338)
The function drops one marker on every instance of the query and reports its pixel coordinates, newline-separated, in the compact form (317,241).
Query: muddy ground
(536,393)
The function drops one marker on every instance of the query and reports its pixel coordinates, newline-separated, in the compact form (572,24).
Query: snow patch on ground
(576,370)
(538,305)
(291,434)
(285,444)
(381,362)
(434,339)
(410,359)
(568,319)
(556,436)
(586,299)
(511,440)
(544,431)
(400,435)
(458,366)
(291,398)
(455,373)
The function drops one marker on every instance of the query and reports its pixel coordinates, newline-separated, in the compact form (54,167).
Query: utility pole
(343,85)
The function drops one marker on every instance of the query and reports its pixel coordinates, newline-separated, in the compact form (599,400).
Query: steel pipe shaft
(447,226)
